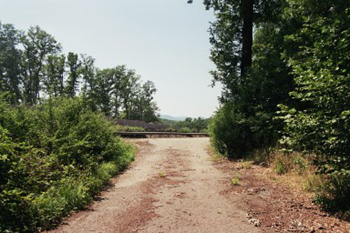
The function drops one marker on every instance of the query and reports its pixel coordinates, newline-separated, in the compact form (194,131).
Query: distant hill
(173,118)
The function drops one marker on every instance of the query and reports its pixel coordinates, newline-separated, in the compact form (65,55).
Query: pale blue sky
(165,41)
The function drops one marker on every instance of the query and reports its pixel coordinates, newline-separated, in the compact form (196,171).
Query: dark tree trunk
(247,35)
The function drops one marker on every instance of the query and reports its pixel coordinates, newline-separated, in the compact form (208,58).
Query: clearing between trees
(176,186)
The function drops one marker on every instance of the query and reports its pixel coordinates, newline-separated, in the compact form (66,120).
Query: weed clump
(235,180)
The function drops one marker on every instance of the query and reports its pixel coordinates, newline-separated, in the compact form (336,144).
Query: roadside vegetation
(126,128)
(58,147)
(54,157)
(189,125)
(286,90)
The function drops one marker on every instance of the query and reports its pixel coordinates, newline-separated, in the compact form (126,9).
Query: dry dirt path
(172,187)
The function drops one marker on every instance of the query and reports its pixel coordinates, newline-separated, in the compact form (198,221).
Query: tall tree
(87,71)
(255,77)
(72,82)
(119,72)
(10,58)
(128,87)
(232,38)
(104,89)
(37,44)
(148,107)
(247,35)
(53,75)
(143,107)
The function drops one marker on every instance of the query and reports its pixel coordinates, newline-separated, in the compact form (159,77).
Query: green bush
(334,195)
(230,133)
(58,201)
(184,130)
(125,128)
(320,125)
(170,129)
(53,158)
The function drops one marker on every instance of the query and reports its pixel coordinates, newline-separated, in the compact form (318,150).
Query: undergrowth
(300,171)
(54,158)
(126,128)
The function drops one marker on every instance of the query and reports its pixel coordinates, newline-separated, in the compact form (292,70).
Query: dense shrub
(189,125)
(322,73)
(246,121)
(53,158)
(184,130)
(236,135)
(301,63)
(230,132)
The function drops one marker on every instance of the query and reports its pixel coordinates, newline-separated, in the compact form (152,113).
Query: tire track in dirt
(172,187)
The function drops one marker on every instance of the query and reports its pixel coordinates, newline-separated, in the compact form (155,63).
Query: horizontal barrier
(159,134)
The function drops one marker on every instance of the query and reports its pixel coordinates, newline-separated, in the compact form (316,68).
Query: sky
(165,41)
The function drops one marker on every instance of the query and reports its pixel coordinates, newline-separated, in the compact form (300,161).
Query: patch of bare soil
(275,206)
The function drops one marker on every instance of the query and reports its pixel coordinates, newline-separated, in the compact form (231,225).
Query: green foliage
(321,124)
(300,64)
(10,57)
(53,75)
(73,64)
(38,45)
(189,125)
(184,130)
(126,128)
(53,158)
(335,193)
(32,69)
(236,134)
(280,168)
(235,180)
(59,200)
(231,39)
(230,132)
(250,102)
(170,129)
(195,125)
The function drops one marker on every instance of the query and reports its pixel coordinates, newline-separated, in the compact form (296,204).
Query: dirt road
(172,187)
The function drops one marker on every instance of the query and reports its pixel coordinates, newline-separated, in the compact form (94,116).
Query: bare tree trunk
(247,34)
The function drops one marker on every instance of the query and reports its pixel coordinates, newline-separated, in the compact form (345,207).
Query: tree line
(33,69)
(188,125)
(285,70)
(57,150)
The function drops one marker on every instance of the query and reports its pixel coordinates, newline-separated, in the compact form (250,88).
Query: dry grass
(296,170)
(293,169)
(247,164)
(214,156)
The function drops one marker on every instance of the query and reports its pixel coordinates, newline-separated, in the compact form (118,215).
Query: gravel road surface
(173,186)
